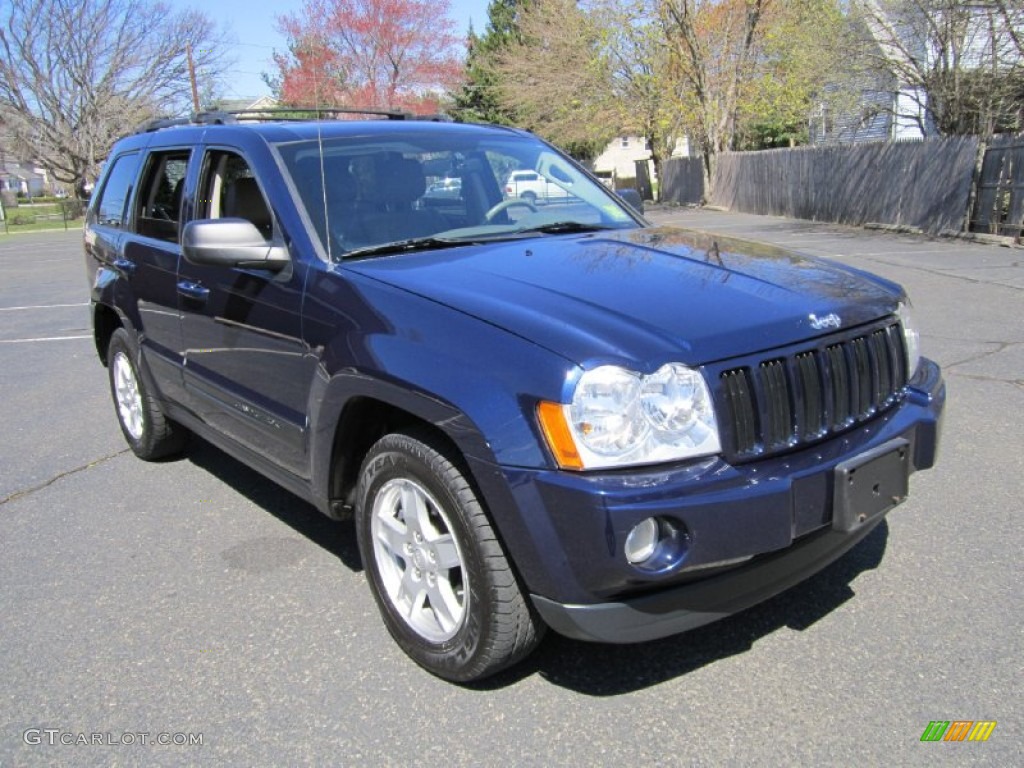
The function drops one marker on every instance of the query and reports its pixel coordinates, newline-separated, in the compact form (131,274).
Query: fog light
(642,541)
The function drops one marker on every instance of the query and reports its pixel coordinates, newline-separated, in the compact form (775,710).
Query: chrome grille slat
(778,413)
(812,413)
(740,403)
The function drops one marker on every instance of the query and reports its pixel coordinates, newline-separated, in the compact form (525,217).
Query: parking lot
(194,600)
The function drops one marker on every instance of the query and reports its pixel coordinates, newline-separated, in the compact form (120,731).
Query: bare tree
(76,74)
(959,64)
(714,46)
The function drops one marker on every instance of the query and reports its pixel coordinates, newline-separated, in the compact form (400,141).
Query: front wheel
(150,434)
(437,571)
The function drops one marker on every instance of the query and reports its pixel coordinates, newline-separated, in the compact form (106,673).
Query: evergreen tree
(478,102)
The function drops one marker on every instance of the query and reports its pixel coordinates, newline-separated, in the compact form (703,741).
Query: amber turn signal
(556,432)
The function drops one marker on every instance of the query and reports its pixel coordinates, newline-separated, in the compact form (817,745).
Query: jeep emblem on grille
(831,320)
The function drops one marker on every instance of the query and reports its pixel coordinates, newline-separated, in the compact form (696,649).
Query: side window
(228,189)
(159,200)
(111,206)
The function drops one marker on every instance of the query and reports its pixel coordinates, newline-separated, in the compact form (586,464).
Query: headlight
(911,339)
(619,417)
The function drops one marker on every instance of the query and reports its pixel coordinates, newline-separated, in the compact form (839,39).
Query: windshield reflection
(402,192)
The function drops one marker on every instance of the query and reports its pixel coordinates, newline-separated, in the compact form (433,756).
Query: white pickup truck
(532,186)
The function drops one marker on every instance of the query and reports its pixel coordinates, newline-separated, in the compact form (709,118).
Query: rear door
(247,373)
(107,218)
(151,253)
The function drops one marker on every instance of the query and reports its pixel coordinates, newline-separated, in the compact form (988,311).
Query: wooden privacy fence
(924,184)
(682,180)
(999,201)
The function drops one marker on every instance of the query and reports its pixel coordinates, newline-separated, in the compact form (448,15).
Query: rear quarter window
(110,209)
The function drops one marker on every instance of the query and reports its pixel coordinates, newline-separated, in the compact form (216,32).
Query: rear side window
(159,198)
(111,208)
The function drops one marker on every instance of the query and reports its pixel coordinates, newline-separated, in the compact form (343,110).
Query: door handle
(195,291)
(124,265)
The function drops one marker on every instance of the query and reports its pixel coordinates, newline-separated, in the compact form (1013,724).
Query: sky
(253,27)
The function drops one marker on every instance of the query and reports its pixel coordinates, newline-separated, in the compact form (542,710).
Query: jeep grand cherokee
(539,417)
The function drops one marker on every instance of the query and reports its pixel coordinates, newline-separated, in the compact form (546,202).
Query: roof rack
(217,117)
(286,114)
(161,122)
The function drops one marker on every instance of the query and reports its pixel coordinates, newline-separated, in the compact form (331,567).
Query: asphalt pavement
(195,603)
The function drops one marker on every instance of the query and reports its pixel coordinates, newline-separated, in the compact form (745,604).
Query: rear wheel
(150,434)
(443,584)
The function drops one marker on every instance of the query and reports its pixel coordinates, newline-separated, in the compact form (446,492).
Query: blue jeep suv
(540,413)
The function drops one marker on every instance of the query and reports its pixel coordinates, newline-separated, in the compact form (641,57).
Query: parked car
(444,189)
(533,187)
(606,177)
(563,418)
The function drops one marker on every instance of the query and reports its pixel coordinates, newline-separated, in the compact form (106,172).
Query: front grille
(783,402)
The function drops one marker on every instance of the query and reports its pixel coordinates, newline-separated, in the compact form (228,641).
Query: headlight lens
(618,417)
(605,410)
(911,338)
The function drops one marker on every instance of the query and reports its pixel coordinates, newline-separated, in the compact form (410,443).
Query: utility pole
(192,77)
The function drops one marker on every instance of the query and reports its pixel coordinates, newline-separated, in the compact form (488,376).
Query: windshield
(365,193)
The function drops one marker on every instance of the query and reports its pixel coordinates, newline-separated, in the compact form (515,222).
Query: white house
(26,179)
(620,157)
(917,40)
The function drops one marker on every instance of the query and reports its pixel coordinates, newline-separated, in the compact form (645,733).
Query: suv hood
(642,296)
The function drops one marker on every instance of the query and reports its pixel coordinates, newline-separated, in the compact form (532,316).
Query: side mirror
(231,243)
(632,198)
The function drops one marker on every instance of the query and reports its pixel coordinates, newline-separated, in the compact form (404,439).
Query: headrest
(392,179)
(244,200)
(341,184)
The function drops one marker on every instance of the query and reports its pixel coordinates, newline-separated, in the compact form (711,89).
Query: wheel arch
(353,414)
(105,320)
(364,417)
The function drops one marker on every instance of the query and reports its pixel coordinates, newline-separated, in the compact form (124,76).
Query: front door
(247,373)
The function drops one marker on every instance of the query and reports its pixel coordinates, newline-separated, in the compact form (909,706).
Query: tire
(150,434)
(530,197)
(441,580)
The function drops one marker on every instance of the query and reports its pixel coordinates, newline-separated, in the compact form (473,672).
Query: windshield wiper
(429,243)
(561,227)
(402,246)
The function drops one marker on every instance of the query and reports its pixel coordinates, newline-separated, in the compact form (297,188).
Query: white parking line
(47,338)
(44,306)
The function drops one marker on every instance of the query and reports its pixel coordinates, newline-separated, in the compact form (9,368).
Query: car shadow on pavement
(594,669)
(598,669)
(338,538)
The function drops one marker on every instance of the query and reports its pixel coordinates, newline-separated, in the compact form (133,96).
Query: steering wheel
(504,205)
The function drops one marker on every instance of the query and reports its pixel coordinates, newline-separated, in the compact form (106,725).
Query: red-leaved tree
(397,54)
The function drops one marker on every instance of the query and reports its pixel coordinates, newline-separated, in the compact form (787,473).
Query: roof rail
(213,117)
(160,122)
(294,113)
(289,114)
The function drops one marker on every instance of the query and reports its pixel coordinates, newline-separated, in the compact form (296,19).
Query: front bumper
(689,606)
(775,514)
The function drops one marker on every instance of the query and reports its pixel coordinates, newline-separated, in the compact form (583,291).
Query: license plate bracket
(869,485)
